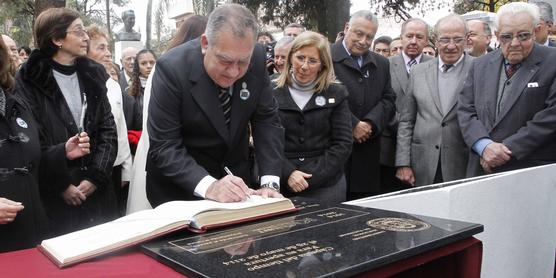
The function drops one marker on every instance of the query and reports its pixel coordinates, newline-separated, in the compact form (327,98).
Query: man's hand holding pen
(228,189)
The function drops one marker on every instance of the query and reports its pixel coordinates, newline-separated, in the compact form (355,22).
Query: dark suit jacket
(318,138)
(371,98)
(188,137)
(526,124)
(122,81)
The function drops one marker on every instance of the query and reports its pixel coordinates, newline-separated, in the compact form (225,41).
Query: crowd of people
(227,112)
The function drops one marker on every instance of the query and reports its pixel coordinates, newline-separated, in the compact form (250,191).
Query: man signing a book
(205,93)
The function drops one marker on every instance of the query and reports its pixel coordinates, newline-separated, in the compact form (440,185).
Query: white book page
(188,209)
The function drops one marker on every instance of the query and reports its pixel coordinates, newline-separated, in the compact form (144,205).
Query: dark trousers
(121,192)
(438,175)
(389,182)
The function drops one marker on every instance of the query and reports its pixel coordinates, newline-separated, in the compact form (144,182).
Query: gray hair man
(414,37)
(478,37)
(507,109)
(281,50)
(430,148)
(204,94)
(545,23)
(371,99)
(293,30)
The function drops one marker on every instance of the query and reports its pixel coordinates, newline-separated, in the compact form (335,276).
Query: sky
(386,26)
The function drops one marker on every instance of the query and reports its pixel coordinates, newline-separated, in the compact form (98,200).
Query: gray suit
(400,80)
(426,133)
(526,123)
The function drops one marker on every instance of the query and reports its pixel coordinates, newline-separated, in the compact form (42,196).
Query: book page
(136,226)
(108,234)
(188,209)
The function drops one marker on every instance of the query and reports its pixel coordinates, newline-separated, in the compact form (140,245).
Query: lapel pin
(21,123)
(244,93)
(331,100)
(320,101)
(533,85)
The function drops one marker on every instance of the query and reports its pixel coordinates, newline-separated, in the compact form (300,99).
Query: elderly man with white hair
(507,110)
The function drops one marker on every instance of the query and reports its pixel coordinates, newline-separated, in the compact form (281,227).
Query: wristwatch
(271,185)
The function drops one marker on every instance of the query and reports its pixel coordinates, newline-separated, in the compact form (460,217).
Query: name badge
(244,93)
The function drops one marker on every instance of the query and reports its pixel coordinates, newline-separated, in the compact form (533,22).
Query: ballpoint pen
(81,127)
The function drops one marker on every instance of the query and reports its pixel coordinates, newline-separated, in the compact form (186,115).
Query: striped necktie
(446,67)
(410,64)
(226,103)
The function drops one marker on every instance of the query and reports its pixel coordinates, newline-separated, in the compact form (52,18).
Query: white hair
(513,8)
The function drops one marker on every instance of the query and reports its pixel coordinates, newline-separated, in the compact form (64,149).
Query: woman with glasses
(314,111)
(67,94)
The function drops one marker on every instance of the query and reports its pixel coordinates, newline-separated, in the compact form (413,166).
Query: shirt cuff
(480,145)
(203,185)
(270,178)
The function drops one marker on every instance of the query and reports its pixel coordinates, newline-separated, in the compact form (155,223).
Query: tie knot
(410,64)
(446,67)
(511,69)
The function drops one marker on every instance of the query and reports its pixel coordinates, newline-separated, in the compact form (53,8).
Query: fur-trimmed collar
(38,71)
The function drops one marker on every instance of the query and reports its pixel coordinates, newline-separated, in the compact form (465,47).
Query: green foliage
(399,8)
(283,12)
(464,6)
(20,13)
(204,7)
(324,16)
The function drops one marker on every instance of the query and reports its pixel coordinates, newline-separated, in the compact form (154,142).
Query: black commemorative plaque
(319,240)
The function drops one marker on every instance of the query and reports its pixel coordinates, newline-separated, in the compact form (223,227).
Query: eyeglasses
(310,61)
(456,40)
(507,37)
(79,32)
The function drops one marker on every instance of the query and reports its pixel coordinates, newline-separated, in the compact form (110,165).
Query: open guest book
(197,216)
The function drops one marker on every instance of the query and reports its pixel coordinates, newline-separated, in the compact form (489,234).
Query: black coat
(318,139)
(35,81)
(19,167)
(188,135)
(371,99)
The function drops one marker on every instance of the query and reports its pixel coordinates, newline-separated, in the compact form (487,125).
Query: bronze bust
(127,33)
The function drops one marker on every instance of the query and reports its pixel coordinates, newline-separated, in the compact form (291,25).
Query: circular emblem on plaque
(398,224)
